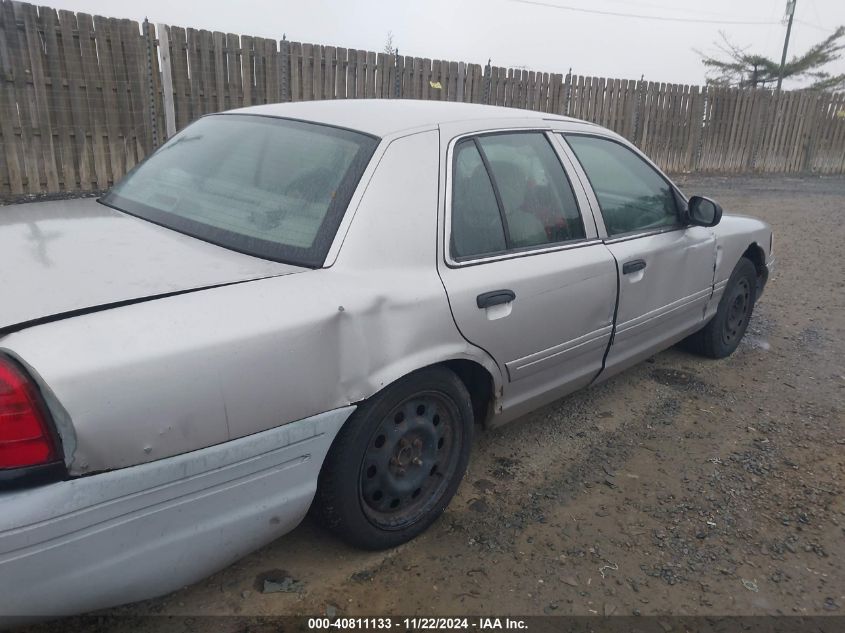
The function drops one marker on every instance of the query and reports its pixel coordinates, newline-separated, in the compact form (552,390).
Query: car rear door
(665,267)
(527,278)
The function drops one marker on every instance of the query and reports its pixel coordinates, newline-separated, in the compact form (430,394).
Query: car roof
(383,117)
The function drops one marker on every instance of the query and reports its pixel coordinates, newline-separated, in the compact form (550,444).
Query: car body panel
(59,257)
(674,295)
(544,339)
(545,343)
(665,300)
(147,530)
(390,117)
(734,234)
(227,362)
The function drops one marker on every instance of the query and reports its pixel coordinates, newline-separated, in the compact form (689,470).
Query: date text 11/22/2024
(416,624)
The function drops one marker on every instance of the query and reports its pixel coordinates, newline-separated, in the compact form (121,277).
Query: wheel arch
(479,383)
(480,376)
(330,505)
(757,256)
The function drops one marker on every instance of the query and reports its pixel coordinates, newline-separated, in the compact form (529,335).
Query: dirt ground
(683,486)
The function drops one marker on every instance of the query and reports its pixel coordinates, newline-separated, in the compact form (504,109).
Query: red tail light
(25,437)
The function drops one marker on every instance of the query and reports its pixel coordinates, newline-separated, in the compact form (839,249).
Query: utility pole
(790,11)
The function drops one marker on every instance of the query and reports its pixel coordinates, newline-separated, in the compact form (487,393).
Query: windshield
(269,187)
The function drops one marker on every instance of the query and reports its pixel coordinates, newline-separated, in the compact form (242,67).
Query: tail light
(25,435)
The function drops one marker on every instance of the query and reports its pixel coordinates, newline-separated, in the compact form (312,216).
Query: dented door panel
(665,300)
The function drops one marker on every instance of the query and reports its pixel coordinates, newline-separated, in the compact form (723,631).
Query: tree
(389,48)
(738,67)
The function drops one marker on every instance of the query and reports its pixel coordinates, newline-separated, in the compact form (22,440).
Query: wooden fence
(84,98)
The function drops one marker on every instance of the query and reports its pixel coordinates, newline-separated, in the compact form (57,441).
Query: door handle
(494,298)
(633,266)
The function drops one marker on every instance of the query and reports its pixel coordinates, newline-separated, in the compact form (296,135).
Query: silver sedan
(316,304)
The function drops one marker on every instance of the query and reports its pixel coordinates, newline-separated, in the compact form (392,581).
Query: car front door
(665,267)
(527,278)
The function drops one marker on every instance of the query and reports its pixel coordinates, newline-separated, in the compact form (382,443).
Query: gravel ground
(683,486)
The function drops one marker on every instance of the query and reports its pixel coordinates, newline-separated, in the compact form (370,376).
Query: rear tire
(721,336)
(397,462)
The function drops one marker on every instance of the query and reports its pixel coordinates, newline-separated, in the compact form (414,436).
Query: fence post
(810,134)
(284,69)
(567,95)
(638,105)
(488,77)
(398,69)
(767,122)
(166,80)
(462,77)
(149,39)
(754,133)
(697,139)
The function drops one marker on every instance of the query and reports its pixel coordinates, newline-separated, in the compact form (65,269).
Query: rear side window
(632,195)
(510,192)
(476,223)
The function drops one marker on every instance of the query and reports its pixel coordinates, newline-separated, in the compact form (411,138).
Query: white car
(319,302)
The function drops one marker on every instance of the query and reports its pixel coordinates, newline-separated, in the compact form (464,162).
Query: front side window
(510,192)
(631,194)
(268,187)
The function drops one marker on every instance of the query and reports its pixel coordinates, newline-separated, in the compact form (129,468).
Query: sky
(515,33)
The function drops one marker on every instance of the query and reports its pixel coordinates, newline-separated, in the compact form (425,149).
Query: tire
(397,462)
(722,334)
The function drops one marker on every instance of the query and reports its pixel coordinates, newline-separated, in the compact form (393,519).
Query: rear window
(269,187)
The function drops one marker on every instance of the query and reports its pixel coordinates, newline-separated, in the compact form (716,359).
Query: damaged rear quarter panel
(173,375)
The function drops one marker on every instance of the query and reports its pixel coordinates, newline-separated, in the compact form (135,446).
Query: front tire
(721,336)
(397,462)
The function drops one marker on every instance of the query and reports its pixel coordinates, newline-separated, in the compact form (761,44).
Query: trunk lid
(78,255)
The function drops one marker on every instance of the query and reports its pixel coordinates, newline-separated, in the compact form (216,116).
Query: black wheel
(721,336)
(397,461)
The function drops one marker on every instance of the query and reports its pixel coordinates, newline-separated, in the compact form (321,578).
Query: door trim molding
(538,361)
(653,318)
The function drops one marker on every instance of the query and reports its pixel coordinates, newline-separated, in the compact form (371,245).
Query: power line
(815,26)
(649,5)
(634,15)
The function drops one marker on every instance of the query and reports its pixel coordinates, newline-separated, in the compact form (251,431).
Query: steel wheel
(410,459)
(739,311)
(398,461)
(722,334)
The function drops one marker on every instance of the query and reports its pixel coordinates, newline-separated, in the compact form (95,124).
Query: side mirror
(703,211)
